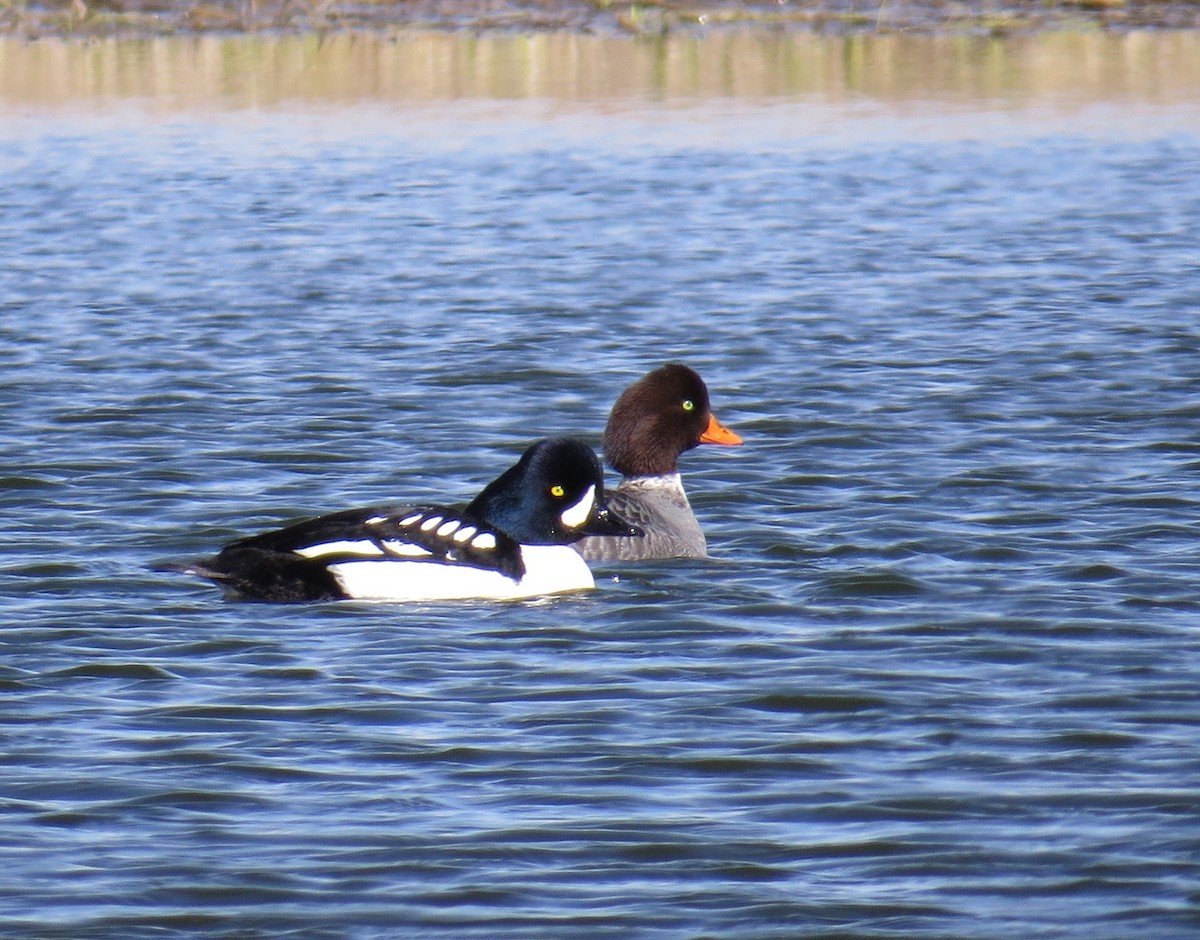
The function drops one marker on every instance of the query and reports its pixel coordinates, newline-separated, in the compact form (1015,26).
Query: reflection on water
(256,71)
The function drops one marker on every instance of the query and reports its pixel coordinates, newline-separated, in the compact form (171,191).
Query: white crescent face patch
(575,516)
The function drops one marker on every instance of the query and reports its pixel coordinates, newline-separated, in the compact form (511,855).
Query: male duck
(512,541)
(655,420)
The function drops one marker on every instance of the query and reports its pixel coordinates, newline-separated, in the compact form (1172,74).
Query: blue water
(939,679)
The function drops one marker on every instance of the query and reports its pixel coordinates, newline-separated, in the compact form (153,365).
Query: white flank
(575,516)
(550,569)
(407,549)
(359,547)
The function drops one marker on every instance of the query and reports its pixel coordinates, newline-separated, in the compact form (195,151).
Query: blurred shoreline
(90,19)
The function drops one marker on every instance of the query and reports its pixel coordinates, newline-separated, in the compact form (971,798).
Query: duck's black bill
(606,522)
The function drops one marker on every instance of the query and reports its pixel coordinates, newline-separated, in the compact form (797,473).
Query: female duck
(513,541)
(654,421)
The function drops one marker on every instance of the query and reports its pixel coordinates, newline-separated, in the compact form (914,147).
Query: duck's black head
(553,495)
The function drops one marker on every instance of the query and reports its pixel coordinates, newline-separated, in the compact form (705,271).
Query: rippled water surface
(939,679)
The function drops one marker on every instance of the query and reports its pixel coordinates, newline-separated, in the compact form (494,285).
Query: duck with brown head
(654,421)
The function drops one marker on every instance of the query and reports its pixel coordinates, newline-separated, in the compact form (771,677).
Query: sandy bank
(94,18)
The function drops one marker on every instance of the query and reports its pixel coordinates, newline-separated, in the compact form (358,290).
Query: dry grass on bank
(91,18)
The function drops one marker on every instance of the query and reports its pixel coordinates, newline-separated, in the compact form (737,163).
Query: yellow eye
(557,490)
(689,405)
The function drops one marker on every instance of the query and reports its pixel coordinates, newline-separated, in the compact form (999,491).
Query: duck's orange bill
(717,433)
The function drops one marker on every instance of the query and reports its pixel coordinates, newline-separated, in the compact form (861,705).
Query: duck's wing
(670,529)
(440,534)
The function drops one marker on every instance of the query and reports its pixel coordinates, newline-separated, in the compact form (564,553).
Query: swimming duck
(656,419)
(512,541)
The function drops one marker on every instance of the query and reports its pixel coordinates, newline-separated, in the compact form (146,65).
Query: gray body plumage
(659,506)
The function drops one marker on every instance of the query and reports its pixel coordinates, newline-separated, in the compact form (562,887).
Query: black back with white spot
(452,537)
(382,527)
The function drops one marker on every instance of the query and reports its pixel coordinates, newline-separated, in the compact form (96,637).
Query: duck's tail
(195,568)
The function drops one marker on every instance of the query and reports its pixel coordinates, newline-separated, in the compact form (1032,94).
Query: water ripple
(936,681)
